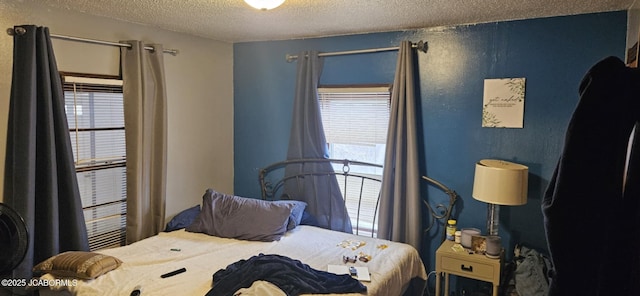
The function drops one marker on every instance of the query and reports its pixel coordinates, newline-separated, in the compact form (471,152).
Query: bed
(394,268)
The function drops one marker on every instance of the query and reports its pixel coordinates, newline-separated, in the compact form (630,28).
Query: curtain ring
(16,31)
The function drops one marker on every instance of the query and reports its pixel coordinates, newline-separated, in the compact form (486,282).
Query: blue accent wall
(551,53)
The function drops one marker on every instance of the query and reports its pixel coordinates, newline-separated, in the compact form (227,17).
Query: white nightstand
(474,266)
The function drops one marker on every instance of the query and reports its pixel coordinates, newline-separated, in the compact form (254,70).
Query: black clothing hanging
(590,215)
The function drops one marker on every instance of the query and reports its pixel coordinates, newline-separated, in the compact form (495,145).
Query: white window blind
(95,113)
(355,121)
(360,118)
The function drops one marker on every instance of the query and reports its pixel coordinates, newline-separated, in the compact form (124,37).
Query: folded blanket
(291,276)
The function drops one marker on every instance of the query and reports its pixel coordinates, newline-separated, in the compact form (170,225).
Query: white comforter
(391,268)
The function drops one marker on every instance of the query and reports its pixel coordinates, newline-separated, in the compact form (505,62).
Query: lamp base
(493,219)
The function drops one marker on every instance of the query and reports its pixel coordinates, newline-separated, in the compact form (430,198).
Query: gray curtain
(400,218)
(307,140)
(40,179)
(145,118)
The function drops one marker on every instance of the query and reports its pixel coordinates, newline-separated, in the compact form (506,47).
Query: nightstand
(474,266)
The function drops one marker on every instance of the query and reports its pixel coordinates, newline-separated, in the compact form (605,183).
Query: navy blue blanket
(291,276)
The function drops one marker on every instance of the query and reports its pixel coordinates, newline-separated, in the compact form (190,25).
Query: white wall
(633,24)
(199,88)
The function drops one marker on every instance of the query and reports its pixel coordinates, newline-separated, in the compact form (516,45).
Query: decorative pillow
(296,212)
(238,217)
(78,264)
(183,219)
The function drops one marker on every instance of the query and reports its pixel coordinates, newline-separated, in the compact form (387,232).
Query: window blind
(354,117)
(355,121)
(95,113)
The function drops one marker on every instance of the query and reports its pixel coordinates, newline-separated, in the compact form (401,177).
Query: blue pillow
(308,219)
(296,212)
(183,219)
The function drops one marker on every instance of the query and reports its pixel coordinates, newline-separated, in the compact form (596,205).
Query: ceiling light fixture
(264,4)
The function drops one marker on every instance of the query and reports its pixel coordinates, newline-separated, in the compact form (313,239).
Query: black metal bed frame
(272,182)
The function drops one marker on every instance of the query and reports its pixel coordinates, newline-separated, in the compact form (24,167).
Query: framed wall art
(503,103)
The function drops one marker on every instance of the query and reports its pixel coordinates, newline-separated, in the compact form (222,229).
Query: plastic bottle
(451,229)
(458,238)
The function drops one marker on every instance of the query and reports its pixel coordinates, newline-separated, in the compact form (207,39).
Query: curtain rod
(11,31)
(421,46)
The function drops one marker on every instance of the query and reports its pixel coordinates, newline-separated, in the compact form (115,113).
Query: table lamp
(499,182)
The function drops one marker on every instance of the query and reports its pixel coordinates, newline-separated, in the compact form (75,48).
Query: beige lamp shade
(500,182)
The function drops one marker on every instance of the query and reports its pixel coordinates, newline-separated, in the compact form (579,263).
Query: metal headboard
(272,182)
(440,212)
(360,189)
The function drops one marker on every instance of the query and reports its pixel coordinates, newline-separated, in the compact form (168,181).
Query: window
(355,121)
(95,113)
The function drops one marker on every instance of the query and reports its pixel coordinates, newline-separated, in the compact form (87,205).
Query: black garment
(291,276)
(591,221)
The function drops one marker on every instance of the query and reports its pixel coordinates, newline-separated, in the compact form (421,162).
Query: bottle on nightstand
(451,229)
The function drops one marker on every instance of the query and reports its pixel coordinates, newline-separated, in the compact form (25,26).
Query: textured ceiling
(235,21)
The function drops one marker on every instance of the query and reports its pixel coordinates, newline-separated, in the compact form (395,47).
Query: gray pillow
(238,217)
